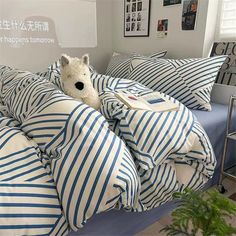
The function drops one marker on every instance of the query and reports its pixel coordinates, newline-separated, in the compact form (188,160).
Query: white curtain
(226,27)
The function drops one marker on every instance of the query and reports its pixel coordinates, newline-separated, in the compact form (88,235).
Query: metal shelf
(228,172)
(232,136)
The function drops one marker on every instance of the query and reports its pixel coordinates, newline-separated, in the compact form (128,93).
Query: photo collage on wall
(136,18)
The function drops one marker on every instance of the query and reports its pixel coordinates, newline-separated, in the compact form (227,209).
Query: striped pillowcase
(188,80)
(119,64)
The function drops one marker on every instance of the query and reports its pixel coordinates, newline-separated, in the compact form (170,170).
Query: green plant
(202,213)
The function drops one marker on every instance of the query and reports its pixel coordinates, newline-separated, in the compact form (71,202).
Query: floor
(154,229)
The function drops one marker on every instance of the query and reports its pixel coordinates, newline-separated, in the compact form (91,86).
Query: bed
(82,171)
(214,123)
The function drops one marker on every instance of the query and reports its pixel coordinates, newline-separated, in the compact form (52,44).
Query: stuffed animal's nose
(79,85)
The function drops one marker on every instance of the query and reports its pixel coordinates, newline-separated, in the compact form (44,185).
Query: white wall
(38,58)
(180,44)
(110,14)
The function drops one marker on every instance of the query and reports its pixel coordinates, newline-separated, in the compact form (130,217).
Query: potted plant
(202,213)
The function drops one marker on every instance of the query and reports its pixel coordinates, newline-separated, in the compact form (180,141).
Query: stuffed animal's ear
(65,60)
(85,59)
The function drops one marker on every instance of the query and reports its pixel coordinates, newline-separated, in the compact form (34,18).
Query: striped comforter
(61,162)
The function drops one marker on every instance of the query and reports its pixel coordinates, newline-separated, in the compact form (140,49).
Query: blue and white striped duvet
(61,162)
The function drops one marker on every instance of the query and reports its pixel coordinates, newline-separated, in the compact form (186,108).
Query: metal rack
(231,171)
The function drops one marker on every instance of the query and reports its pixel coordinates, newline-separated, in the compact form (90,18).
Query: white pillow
(188,80)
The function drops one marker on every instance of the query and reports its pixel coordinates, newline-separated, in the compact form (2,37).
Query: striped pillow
(188,80)
(119,64)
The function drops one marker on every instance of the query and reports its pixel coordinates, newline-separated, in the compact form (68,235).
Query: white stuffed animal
(75,76)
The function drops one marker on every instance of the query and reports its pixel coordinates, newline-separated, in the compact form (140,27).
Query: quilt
(62,162)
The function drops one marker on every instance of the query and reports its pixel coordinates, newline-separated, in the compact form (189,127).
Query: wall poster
(162,28)
(227,73)
(189,14)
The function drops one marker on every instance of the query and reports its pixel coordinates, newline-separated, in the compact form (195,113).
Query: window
(226,28)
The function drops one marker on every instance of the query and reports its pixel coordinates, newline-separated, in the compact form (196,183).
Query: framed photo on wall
(136,18)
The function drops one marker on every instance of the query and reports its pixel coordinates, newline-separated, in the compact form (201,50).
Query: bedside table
(230,135)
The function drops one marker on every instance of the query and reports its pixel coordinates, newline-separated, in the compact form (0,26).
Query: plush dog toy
(75,76)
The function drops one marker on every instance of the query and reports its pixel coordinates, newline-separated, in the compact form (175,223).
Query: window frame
(218,36)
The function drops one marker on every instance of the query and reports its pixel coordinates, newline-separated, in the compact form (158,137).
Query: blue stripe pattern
(90,166)
(120,63)
(73,162)
(188,80)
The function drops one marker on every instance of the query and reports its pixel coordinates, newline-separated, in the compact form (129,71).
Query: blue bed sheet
(126,223)
(214,123)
